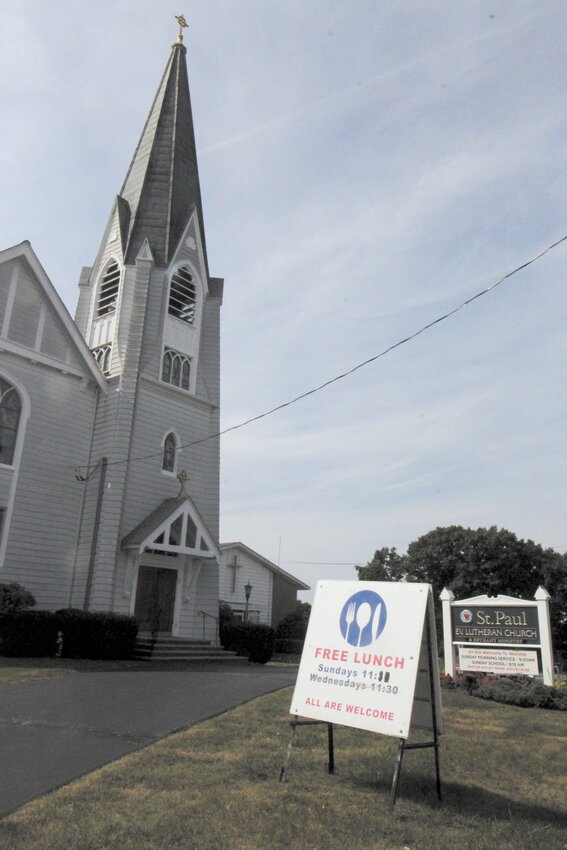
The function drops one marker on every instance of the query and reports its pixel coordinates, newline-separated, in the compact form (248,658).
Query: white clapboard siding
(249,571)
(42,537)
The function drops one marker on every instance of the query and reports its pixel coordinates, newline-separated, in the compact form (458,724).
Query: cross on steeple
(182,25)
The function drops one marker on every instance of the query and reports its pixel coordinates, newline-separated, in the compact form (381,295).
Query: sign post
(501,635)
(370,661)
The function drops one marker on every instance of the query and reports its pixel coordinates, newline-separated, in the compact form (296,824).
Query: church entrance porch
(172,573)
(155,599)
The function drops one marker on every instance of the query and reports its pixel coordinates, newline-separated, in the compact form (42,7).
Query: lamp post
(247,592)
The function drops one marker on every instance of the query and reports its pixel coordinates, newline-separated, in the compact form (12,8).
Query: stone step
(173,643)
(174,651)
(223,659)
(161,638)
(168,648)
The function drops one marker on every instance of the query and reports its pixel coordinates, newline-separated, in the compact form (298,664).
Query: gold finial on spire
(182,25)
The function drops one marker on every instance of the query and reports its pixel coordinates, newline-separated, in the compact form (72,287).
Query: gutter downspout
(101,484)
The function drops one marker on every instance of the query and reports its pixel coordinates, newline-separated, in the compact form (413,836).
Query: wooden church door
(155,599)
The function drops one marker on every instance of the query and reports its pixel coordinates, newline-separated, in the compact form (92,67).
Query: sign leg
(331,763)
(437,769)
(433,704)
(283,768)
(397,772)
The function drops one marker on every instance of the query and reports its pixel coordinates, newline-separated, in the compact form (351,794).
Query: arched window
(169,456)
(176,369)
(10,412)
(182,296)
(108,290)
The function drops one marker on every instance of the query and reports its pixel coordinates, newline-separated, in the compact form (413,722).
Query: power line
(325,563)
(346,374)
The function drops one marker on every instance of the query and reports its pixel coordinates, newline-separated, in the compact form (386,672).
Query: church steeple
(151,315)
(162,184)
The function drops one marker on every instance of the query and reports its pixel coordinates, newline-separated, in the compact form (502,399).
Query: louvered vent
(182,296)
(108,292)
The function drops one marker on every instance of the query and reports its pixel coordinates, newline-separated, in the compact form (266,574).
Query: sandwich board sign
(370,658)
(370,661)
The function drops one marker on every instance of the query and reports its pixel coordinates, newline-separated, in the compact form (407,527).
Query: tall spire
(162,184)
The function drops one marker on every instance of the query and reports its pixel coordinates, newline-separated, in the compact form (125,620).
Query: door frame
(162,562)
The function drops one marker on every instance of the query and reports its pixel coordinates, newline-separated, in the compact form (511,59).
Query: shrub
(524,694)
(28,634)
(225,623)
(230,636)
(254,640)
(97,634)
(14,597)
(289,646)
(261,641)
(236,637)
(294,625)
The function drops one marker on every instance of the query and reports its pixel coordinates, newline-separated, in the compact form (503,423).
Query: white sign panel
(361,656)
(508,662)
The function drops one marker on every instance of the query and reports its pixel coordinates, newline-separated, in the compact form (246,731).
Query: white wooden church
(109,476)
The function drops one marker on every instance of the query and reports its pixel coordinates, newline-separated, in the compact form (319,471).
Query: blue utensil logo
(363,618)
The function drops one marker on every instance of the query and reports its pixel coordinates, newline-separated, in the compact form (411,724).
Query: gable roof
(175,526)
(269,565)
(25,251)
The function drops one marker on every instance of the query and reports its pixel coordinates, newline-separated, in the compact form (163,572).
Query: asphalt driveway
(53,730)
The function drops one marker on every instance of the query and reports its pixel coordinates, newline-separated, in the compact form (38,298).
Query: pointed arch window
(10,412)
(182,296)
(108,290)
(176,369)
(169,457)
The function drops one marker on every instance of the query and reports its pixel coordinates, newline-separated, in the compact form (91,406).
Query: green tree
(14,597)
(294,625)
(386,565)
(479,561)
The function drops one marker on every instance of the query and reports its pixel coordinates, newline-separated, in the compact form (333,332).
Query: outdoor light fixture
(247,592)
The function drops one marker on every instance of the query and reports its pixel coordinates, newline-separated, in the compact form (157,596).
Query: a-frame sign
(370,661)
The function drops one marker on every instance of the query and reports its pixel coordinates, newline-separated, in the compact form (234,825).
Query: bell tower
(149,311)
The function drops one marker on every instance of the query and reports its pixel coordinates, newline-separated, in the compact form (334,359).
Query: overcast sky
(365,167)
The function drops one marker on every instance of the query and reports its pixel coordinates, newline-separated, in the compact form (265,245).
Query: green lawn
(214,787)
(12,675)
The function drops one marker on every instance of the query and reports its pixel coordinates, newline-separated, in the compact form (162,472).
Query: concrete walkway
(55,729)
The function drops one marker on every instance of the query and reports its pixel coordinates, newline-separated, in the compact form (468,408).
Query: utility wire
(325,563)
(340,377)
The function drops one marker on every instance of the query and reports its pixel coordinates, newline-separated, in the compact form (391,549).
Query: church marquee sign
(495,624)
(501,635)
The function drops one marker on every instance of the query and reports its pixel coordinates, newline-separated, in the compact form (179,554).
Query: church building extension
(109,476)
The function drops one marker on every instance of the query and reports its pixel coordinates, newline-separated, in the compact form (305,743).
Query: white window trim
(15,467)
(10,299)
(182,355)
(178,449)
(199,292)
